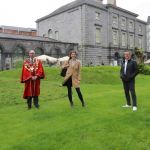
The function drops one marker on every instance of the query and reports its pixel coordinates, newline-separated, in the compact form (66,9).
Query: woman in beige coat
(72,77)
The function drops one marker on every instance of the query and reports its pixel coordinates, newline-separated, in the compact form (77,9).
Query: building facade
(102,31)
(148,36)
(14,48)
(18,30)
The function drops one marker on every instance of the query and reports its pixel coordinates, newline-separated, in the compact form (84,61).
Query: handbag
(63,72)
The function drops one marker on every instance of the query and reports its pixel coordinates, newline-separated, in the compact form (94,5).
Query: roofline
(16,27)
(32,39)
(124,10)
(51,15)
(141,21)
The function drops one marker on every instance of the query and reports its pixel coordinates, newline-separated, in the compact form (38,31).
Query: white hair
(32,51)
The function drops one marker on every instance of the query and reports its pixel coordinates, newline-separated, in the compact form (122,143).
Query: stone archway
(39,51)
(69,48)
(55,51)
(18,55)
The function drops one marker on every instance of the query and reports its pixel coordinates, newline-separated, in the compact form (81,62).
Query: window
(97,16)
(115,21)
(50,33)
(44,35)
(124,39)
(148,41)
(148,34)
(56,35)
(131,25)
(140,42)
(131,40)
(148,27)
(98,35)
(140,29)
(148,48)
(115,37)
(123,23)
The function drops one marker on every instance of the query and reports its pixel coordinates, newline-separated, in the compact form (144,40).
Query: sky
(24,13)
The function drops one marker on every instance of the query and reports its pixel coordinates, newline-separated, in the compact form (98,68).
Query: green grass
(102,125)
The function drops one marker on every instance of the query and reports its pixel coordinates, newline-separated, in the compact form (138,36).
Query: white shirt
(125,66)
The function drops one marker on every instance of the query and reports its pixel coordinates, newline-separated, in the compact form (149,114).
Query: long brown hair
(73,51)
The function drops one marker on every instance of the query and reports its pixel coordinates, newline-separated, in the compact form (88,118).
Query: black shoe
(72,105)
(83,104)
(38,106)
(29,108)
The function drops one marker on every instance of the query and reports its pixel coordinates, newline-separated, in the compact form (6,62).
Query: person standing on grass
(32,72)
(72,77)
(128,72)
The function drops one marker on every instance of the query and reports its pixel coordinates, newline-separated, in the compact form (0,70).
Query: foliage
(141,68)
(139,55)
(17,64)
(144,69)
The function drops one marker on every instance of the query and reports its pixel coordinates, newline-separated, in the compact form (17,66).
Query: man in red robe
(32,72)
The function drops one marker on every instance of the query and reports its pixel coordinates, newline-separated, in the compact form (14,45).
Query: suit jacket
(74,72)
(131,70)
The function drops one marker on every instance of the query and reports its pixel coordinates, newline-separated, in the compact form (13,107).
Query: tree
(139,55)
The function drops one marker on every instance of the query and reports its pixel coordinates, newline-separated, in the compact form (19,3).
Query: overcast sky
(23,13)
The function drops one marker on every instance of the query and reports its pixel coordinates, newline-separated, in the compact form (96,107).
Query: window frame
(115,39)
(115,21)
(131,45)
(50,33)
(97,15)
(125,39)
(57,35)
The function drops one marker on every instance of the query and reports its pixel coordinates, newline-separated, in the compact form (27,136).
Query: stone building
(101,30)
(18,30)
(148,37)
(14,48)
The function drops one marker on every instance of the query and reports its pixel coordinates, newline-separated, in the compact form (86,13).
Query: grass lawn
(102,125)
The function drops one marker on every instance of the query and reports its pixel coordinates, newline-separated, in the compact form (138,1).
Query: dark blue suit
(128,80)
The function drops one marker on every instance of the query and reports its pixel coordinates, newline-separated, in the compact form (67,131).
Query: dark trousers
(35,101)
(130,87)
(79,95)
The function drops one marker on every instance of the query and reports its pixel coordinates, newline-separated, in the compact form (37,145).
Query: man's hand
(34,78)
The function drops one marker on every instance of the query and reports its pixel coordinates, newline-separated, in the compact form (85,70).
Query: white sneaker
(126,106)
(134,108)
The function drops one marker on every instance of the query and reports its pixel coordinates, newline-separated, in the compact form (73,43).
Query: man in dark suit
(128,72)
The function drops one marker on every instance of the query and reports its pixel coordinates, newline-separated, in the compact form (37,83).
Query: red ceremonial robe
(32,87)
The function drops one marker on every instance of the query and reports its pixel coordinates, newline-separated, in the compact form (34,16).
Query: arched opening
(18,55)
(50,33)
(70,48)
(39,51)
(56,35)
(55,51)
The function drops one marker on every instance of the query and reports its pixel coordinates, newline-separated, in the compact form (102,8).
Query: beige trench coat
(74,71)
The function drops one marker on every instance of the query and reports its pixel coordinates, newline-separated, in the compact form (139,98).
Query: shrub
(144,69)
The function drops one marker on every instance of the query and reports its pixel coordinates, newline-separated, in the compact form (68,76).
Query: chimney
(112,2)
